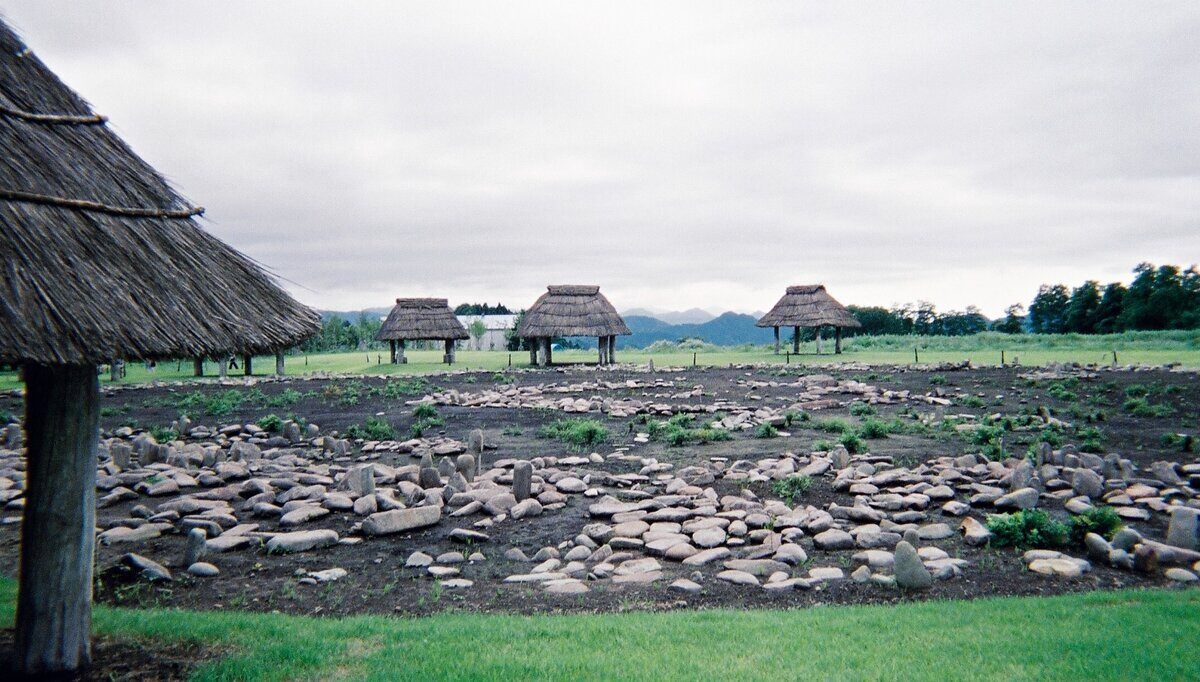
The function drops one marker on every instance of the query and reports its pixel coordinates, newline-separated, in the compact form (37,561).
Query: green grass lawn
(1150,634)
(426,362)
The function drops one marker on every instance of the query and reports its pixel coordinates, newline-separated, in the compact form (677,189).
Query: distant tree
(877,320)
(1048,312)
(1108,312)
(477,329)
(1014,320)
(481,309)
(924,317)
(1082,308)
(510,335)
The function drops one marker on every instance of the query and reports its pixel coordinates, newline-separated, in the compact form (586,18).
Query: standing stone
(911,573)
(194,549)
(445,467)
(465,464)
(121,454)
(1021,475)
(428,477)
(1044,453)
(1182,530)
(475,442)
(522,482)
(840,457)
(366,480)
(1087,483)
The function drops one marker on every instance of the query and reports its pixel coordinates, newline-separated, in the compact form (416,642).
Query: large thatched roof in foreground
(808,306)
(100,257)
(421,318)
(572,310)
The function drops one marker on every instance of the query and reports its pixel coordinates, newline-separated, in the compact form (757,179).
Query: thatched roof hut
(809,305)
(421,319)
(573,310)
(101,259)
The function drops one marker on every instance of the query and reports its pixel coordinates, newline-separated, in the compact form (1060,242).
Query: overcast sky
(679,155)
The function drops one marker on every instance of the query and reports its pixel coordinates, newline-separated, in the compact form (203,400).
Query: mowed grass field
(1152,634)
(1138,348)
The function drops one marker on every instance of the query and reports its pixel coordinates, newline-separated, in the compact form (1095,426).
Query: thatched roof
(101,258)
(421,318)
(572,310)
(808,306)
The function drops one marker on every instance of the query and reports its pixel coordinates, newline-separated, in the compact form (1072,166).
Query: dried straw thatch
(101,258)
(808,306)
(421,318)
(572,310)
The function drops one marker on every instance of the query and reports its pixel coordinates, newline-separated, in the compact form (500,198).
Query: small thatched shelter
(809,305)
(421,319)
(99,260)
(572,310)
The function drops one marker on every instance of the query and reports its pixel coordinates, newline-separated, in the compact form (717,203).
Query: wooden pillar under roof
(602,347)
(795,340)
(198,366)
(58,527)
(448,358)
(549,350)
(247,365)
(837,340)
(612,350)
(819,340)
(392,351)
(279,363)
(776,328)
(223,366)
(400,357)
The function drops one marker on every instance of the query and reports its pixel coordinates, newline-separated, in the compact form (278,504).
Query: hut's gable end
(808,306)
(572,310)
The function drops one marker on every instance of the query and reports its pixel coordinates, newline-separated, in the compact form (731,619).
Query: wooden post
(1002,357)
(546,341)
(916,358)
(198,367)
(534,347)
(247,369)
(602,345)
(392,351)
(837,340)
(448,358)
(776,328)
(796,340)
(400,357)
(612,350)
(58,532)
(115,369)
(223,366)
(279,363)
(819,340)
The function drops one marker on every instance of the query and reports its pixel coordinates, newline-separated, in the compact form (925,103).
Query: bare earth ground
(378,582)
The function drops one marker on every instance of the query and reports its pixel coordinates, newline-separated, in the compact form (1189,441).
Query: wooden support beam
(448,357)
(837,340)
(392,351)
(198,367)
(796,340)
(279,363)
(776,328)
(612,350)
(58,532)
(400,357)
(247,365)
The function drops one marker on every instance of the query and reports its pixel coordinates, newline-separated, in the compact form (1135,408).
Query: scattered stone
(909,570)
(201,569)
(146,568)
(522,479)
(399,520)
(301,541)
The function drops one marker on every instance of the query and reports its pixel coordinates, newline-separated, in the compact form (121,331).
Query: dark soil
(125,659)
(379,583)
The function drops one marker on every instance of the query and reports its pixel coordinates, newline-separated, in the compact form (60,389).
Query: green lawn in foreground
(1151,634)
(425,362)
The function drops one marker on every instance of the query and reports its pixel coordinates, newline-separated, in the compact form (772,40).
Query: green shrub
(824,445)
(425,411)
(1183,441)
(790,418)
(270,423)
(873,429)
(974,401)
(511,431)
(215,405)
(374,428)
(766,430)
(860,409)
(1102,521)
(1137,391)
(1027,529)
(833,425)
(1091,440)
(791,487)
(1140,407)
(851,442)
(163,434)
(937,380)
(576,433)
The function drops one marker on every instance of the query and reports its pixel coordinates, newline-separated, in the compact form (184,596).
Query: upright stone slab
(194,549)
(465,464)
(522,479)
(475,442)
(910,571)
(1181,532)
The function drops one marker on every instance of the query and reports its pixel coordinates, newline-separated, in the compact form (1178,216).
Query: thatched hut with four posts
(571,310)
(101,260)
(809,305)
(421,319)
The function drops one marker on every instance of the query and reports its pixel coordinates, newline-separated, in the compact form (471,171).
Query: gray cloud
(679,154)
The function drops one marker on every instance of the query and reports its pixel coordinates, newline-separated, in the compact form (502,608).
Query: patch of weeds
(1140,407)
(937,380)
(824,445)
(374,428)
(271,423)
(832,425)
(678,430)
(1091,440)
(576,433)
(1027,529)
(216,405)
(425,411)
(1182,441)
(860,409)
(766,430)
(790,418)
(511,431)
(396,389)
(502,378)
(1062,390)
(791,487)
(163,434)
(1102,521)
(873,429)
(852,442)
(974,401)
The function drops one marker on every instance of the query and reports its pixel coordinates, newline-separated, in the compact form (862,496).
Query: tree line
(1162,297)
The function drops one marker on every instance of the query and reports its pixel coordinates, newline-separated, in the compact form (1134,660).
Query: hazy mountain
(690,316)
(352,315)
(727,329)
